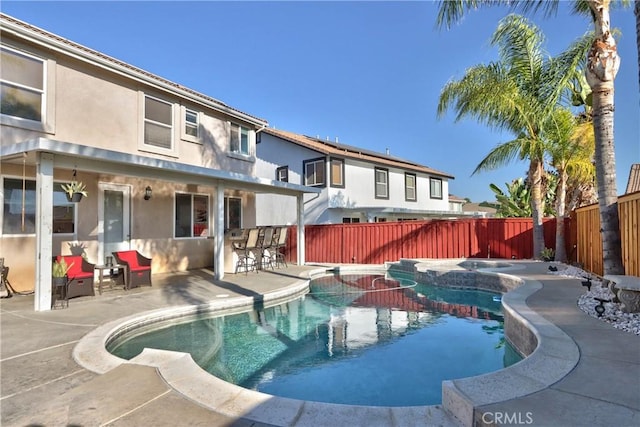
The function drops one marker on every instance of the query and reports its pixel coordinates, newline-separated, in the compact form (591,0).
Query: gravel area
(629,322)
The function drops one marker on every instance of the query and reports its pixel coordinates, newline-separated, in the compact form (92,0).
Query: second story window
(382,183)
(22,81)
(239,139)
(314,172)
(410,187)
(191,123)
(282,174)
(158,123)
(435,188)
(337,173)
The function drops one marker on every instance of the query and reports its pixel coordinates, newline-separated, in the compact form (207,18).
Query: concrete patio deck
(41,384)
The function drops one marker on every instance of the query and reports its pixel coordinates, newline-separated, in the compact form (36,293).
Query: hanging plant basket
(75,191)
(75,197)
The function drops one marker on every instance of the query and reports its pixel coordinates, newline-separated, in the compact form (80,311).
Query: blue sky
(368,73)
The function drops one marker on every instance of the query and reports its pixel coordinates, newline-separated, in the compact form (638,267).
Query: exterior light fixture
(147,193)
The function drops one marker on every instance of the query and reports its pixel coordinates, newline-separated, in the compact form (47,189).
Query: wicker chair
(80,275)
(138,268)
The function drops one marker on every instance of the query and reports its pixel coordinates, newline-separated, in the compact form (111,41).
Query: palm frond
(501,155)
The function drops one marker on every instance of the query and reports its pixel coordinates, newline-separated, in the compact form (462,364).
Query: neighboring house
(476,210)
(456,203)
(356,185)
(71,113)
(633,184)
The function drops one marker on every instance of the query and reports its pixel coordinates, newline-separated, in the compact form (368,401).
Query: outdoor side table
(60,293)
(113,271)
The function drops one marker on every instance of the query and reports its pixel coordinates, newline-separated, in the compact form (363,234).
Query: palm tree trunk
(535,179)
(561,191)
(602,67)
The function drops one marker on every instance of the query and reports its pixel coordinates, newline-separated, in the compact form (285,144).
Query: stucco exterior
(99,117)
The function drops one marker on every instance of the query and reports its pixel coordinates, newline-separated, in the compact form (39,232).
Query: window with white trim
(22,85)
(191,123)
(232,213)
(382,183)
(348,220)
(337,172)
(314,172)
(158,123)
(191,215)
(19,208)
(282,174)
(435,188)
(239,142)
(410,187)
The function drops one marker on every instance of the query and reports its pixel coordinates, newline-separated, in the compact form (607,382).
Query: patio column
(301,260)
(44,231)
(218,250)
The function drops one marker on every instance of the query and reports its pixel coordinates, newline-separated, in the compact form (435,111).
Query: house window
(410,187)
(239,139)
(192,215)
(282,174)
(382,183)
(158,123)
(19,208)
(22,82)
(232,213)
(337,173)
(348,220)
(191,123)
(435,188)
(314,172)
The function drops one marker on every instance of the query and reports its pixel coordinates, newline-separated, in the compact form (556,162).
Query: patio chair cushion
(134,260)
(75,264)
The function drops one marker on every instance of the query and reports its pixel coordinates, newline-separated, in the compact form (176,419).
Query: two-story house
(356,185)
(166,169)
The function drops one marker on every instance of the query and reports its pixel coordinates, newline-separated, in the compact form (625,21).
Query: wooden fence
(589,240)
(375,243)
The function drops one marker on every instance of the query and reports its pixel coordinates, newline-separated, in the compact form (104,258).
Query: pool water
(375,340)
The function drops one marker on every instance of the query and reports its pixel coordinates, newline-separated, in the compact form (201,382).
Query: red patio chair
(138,267)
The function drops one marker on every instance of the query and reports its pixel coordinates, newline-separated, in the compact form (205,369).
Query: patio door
(114,229)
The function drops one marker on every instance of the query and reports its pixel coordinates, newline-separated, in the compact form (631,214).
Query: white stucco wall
(356,200)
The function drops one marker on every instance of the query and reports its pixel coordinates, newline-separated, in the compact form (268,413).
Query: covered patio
(147,225)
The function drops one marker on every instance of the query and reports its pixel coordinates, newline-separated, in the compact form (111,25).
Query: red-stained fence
(375,243)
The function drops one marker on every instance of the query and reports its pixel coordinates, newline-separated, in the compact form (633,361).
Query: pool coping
(554,356)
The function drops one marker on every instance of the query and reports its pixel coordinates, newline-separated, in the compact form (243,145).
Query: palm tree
(518,93)
(601,69)
(571,149)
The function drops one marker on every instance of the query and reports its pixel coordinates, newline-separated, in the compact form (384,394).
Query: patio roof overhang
(80,157)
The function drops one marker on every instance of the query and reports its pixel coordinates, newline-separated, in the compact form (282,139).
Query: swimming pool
(359,339)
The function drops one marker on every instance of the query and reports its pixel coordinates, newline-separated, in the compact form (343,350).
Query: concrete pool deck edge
(554,357)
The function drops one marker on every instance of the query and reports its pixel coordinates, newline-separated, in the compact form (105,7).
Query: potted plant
(547,254)
(59,272)
(75,190)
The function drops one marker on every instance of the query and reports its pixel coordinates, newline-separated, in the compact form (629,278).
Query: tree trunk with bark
(537,208)
(602,66)
(561,191)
